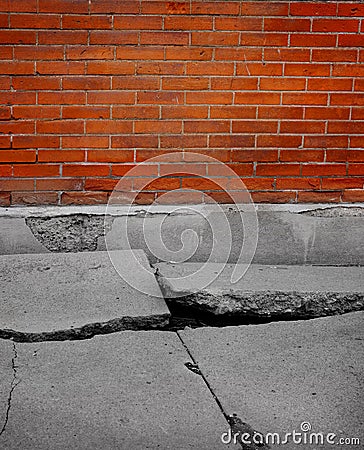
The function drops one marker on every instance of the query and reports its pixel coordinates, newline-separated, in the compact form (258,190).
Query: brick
(159,68)
(64,6)
(357,114)
(333,84)
(339,55)
(137,23)
(35,21)
(313,40)
(323,113)
(280,112)
(36,83)
(231,141)
(16,185)
(298,183)
(264,39)
(282,84)
(160,184)
(4,142)
(233,112)
(5,82)
(6,52)
(252,69)
(4,199)
(61,98)
(346,127)
(92,52)
(239,169)
(133,141)
(61,68)
(307,70)
(303,98)
(5,113)
(335,25)
(60,126)
(326,142)
(36,141)
(278,169)
(206,126)
(287,54)
(255,126)
(218,7)
(62,37)
(17,127)
(353,195)
(59,184)
(135,112)
(61,156)
(143,155)
(319,197)
(17,37)
(110,98)
(257,8)
(343,183)
(127,7)
(313,9)
(18,98)
(160,98)
(358,85)
(218,155)
(163,7)
(85,141)
(18,5)
(113,37)
(40,170)
(86,112)
(86,83)
(183,141)
(34,198)
(110,156)
(239,23)
(85,170)
(184,112)
(187,23)
(6,171)
(257,98)
(323,169)
(185,168)
(141,170)
(273,197)
(212,68)
(83,198)
(257,184)
(275,141)
(196,54)
(110,67)
(202,184)
(238,54)
(39,52)
(163,38)
(254,155)
(214,38)
(106,184)
(16,68)
(140,53)
(158,126)
(302,127)
(351,9)
(284,24)
(185,83)
(347,99)
(90,22)
(348,70)
(217,98)
(108,127)
(234,83)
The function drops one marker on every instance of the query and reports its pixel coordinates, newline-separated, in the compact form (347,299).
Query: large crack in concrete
(72,233)
(14,383)
(333,212)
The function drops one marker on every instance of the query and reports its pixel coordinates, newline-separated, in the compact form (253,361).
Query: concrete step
(263,292)
(76,295)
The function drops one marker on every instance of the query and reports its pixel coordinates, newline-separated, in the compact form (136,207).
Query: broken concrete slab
(277,376)
(76,295)
(6,383)
(264,292)
(127,390)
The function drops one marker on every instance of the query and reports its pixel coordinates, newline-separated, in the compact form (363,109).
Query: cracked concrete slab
(276,376)
(75,295)
(264,291)
(127,390)
(6,377)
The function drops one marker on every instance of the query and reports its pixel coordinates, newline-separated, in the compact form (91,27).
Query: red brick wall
(90,88)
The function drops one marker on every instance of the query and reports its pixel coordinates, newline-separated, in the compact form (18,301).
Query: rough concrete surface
(278,375)
(265,291)
(6,381)
(75,295)
(127,390)
(16,238)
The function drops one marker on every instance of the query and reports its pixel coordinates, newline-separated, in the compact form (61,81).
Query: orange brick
(254,155)
(35,21)
(357,114)
(346,127)
(323,169)
(347,99)
(36,83)
(185,83)
(319,197)
(39,52)
(238,54)
(184,112)
(18,98)
(234,83)
(231,141)
(5,82)
(4,141)
(36,112)
(280,112)
(61,98)
(257,184)
(313,9)
(34,198)
(18,5)
(318,112)
(113,37)
(8,156)
(86,83)
(40,170)
(90,22)
(108,127)
(17,127)
(16,68)
(158,126)
(110,156)
(36,141)
(239,169)
(285,24)
(133,141)
(64,6)
(252,69)
(195,54)
(16,185)
(301,156)
(202,184)
(135,112)
(343,183)
(60,126)
(104,184)
(239,23)
(218,7)
(5,113)
(143,155)
(206,126)
(137,23)
(214,38)
(302,127)
(160,98)
(333,84)
(110,67)
(85,112)
(159,68)
(264,39)
(216,98)
(233,112)
(85,170)
(92,52)
(278,169)
(287,54)
(60,67)
(313,40)
(307,70)
(162,7)
(353,195)
(255,126)
(338,25)
(141,53)
(59,184)
(273,197)
(298,183)
(17,37)
(163,38)
(258,8)
(303,98)
(257,98)
(279,141)
(85,141)
(350,9)
(127,7)
(84,198)
(6,171)
(62,37)
(4,199)
(282,84)
(183,141)
(326,142)
(187,23)
(186,168)
(61,156)
(110,98)
(348,70)
(340,55)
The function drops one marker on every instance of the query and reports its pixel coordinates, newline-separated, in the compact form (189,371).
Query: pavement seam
(14,383)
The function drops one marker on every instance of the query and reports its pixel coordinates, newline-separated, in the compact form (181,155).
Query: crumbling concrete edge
(88,331)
